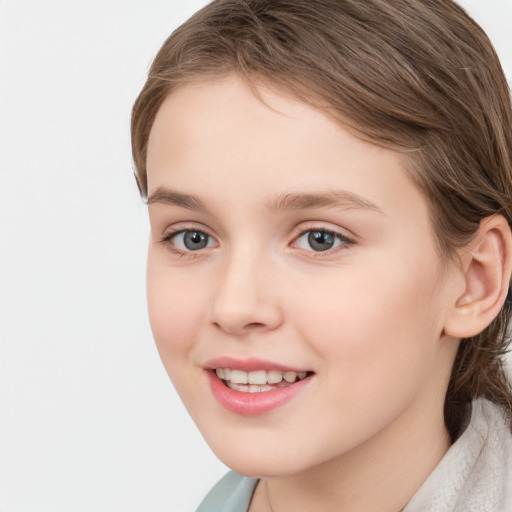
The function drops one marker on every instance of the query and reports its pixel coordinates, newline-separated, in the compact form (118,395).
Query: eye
(320,240)
(191,240)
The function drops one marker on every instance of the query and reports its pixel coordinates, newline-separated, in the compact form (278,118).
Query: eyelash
(343,240)
(167,241)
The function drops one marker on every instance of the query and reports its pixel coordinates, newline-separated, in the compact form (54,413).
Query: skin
(367,317)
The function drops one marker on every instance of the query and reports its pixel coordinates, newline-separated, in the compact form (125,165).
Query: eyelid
(178,227)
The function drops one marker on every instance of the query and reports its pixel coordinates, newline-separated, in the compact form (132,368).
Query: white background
(88,418)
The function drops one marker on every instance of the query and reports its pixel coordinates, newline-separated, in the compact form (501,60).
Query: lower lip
(253,404)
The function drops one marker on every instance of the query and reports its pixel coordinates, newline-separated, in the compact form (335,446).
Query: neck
(381,475)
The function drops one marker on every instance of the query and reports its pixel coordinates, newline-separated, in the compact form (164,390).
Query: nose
(245,297)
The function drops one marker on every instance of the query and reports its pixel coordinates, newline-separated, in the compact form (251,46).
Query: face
(295,292)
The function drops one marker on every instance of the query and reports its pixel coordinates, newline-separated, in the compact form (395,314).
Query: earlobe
(487,266)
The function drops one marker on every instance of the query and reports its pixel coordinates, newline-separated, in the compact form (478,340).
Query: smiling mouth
(259,381)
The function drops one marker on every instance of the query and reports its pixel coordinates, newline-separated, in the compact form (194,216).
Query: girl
(329,188)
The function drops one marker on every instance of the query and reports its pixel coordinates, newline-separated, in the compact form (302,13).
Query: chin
(258,461)
(260,468)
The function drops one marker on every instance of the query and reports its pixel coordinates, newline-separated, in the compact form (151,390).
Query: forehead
(219,135)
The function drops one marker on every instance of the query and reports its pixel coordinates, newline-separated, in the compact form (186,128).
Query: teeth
(290,376)
(239,377)
(258,389)
(253,388)
(274,377)
(257,379)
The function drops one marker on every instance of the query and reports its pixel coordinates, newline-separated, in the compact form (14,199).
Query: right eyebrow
(166,196)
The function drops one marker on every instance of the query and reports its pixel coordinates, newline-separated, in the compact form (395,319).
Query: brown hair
(417,76)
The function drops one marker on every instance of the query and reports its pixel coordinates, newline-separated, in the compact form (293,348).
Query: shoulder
(232,493)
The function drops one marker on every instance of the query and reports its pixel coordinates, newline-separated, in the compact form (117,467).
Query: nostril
(254,326)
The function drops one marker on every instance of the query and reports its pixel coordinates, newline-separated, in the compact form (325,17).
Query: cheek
(175,306)
(377,342)
(377,327)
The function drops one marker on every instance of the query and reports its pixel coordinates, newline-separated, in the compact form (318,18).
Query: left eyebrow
(332,199)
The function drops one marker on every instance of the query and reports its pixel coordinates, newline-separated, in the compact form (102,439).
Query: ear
(486,270)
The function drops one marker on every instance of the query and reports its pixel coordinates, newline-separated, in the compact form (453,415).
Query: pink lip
(253,404)
(248,365)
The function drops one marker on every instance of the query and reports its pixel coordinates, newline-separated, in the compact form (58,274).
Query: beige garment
(475,475)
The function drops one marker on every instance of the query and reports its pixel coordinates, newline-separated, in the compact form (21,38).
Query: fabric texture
(475,475)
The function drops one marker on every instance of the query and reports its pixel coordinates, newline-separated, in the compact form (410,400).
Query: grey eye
(191,240)
(321,240)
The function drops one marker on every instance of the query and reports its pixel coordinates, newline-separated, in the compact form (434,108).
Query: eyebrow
(293,201)
(170,197)
(332,199)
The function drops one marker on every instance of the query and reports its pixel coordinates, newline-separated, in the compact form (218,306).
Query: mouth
(259,381)
(253,387)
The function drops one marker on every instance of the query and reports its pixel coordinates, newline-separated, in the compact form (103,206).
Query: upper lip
(249,365)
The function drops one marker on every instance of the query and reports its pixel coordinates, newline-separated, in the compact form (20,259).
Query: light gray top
(475,475)
(233,493)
